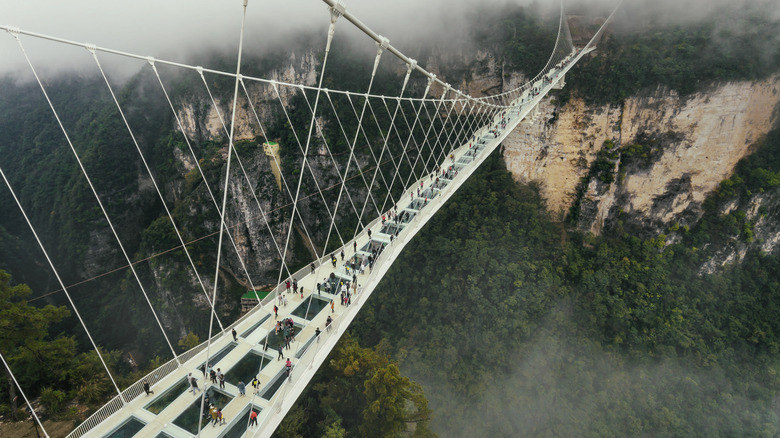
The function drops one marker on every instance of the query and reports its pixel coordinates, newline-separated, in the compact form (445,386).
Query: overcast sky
(172,29)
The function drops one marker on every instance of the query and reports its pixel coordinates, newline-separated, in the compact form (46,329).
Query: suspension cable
(154,182)
(335,13)
(24,396)
(94,192)
(222,224)
(59,279)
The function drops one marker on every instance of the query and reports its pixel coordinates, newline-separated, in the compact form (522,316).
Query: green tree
(388,396)
(24,338)
(189,341)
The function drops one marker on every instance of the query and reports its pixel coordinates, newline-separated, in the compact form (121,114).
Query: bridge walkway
(172,411)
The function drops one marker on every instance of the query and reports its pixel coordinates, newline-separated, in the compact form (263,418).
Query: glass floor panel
(255,326)
(247,368)
(333,285)
(417,204)
(128,429)
(391,228)
(271,389)
(310,307)
(274,340)
(237,429)
(441,184)
(219,356)
(406,216)
(188,420)
(162,401)
(428,193)
(303,348)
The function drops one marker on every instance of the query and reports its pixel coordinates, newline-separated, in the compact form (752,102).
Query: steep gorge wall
(201,119)
(703,137)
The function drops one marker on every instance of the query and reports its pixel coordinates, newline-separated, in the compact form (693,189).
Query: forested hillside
(516,327)
(516,324)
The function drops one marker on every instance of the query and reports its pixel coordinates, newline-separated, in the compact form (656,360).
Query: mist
(563,383)
(177,30)
(192,31)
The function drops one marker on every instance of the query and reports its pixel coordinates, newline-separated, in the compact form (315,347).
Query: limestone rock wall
(712,131)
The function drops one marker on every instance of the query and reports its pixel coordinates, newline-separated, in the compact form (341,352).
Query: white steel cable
(561,23)
(342,179)
(426,137)
(249,184)
(94,192)
(283,179)
(354,157)
(222,224)
(62,284)
(411,135)
(334,16)
(24,396)
(370,84)
(386,145)
(213,199)
(371,150)
(304,164)
(154,182)
(17,31)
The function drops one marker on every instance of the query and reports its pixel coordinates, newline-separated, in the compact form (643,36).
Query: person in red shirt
(253,419)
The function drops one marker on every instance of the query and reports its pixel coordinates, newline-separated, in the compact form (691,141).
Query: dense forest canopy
(498,309)
(645,50)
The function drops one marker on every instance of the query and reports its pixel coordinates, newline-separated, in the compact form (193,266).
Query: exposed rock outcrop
(703,136)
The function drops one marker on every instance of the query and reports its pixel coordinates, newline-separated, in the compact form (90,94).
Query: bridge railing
(153,377)
(311,353)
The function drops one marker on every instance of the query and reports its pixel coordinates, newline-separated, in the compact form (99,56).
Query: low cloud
(179,30)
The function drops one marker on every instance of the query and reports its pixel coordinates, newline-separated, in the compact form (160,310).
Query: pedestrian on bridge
(213,413)
(193,383)
(235,335)
(146,388)
(281,352)
(253,418)
(241,388)
(255,385)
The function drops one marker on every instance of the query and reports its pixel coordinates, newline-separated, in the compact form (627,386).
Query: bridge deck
(171,410)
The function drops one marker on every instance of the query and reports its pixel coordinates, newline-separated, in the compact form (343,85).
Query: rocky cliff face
(202,119)
(694,143)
